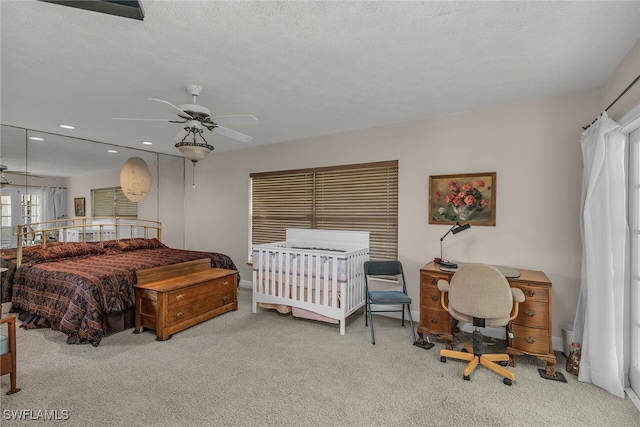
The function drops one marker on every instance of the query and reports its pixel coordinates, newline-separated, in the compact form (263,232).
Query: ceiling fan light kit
(194,151)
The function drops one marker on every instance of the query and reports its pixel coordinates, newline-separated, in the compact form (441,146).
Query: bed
(86,289)
(314,274)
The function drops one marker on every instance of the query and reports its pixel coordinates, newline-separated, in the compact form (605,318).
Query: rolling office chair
(8,352)
(386,269)
(480,294)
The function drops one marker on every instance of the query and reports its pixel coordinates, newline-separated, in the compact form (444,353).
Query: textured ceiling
(304,69)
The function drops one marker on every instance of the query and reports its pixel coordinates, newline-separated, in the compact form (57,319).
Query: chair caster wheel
(503,363)
(443,359)
(507,381)
(467,378)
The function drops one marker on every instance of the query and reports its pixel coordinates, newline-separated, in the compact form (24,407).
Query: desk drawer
(533,292)
(437,322)
(533,313)
(430,298)
(530,340)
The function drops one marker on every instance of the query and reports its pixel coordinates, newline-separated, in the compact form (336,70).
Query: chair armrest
(518,295)
(8,319)
(443,286)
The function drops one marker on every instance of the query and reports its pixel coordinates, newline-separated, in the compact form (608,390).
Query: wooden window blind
(112,202)
(360,197)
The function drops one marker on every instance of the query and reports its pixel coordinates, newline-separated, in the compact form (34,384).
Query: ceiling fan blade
(149,120)
(8,172)
(243,119)
(169,106)
(233,134)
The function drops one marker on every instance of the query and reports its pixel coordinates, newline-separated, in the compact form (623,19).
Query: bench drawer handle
(179,314)
(179,297)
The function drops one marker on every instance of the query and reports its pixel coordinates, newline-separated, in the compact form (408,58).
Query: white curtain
(600,317)
(53,203)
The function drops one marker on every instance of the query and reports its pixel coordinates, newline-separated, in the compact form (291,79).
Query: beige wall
(533,146)
(625,73)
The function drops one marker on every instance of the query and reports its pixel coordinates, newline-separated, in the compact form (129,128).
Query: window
(112,202)
(30,208)
(6,221)
(361,197)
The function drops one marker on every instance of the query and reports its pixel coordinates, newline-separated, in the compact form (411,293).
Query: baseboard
(556,343)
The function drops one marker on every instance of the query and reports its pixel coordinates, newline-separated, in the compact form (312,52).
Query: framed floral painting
(466,198)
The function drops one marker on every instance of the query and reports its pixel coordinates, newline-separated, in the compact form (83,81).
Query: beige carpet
(245,369)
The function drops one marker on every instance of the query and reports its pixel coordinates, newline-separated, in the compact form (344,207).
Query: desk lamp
(457,228)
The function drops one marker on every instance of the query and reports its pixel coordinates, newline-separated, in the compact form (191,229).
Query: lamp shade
(135,179)
(194,151)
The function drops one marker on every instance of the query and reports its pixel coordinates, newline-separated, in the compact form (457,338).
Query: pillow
(133,244)
(53,252)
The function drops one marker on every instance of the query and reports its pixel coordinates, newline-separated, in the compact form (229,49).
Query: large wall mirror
(37,163)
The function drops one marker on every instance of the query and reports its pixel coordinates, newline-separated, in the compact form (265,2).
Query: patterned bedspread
(78,292)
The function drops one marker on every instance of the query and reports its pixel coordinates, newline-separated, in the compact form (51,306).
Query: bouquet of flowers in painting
(462,199)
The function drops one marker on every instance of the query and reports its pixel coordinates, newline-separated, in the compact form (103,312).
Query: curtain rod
(18,186)
(615,100)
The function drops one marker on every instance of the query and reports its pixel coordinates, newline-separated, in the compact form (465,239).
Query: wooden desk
(532,327)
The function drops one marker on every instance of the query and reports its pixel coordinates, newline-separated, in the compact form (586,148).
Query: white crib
(315,274)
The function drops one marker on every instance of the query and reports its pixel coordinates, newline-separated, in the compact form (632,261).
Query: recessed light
(147,142)
(67,127)
(112,151)
(36,138)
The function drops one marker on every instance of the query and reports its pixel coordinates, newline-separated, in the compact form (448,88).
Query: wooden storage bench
(173,298)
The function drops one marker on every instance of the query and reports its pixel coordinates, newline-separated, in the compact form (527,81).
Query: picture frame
(468,198)
(79,206)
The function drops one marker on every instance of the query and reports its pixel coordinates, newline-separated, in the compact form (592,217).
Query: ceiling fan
(196,118)
(5,170)
(3,179)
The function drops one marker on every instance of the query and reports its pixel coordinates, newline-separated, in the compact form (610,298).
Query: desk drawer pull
(225,298)
(530,293)
(226,282)
(530,313)
(529,340)
(435,297)
(179,314)
(434,320)
(434,282)
(179,297)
